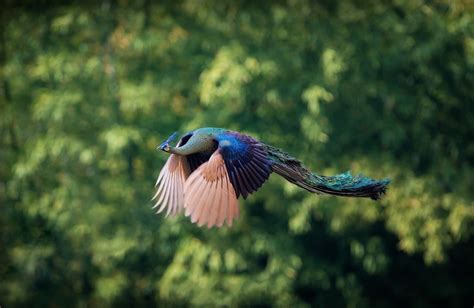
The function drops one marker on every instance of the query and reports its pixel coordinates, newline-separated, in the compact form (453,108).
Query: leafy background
(381,87)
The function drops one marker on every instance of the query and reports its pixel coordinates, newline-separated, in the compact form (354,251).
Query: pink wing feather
(170,182)
(209,197)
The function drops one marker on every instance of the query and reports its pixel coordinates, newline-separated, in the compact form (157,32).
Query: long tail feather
(340,185)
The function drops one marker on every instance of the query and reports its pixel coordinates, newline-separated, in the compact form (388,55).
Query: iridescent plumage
(211,167)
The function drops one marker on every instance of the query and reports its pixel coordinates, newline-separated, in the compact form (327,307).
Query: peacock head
(165,146)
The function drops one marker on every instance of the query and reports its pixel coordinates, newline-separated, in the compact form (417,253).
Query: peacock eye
(184,139)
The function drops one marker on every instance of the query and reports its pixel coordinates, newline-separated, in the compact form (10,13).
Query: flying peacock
(210,168)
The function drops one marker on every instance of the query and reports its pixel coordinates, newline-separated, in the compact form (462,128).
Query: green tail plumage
(340,185)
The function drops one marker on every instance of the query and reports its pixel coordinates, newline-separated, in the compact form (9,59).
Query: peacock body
(210,168)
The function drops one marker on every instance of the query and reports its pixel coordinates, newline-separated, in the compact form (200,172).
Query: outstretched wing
(209,196)
(246,160)
(239,166)
(170,182)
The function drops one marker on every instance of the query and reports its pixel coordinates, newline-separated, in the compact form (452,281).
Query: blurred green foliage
(380,87)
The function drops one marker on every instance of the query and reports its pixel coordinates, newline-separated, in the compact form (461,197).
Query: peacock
(210,168)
